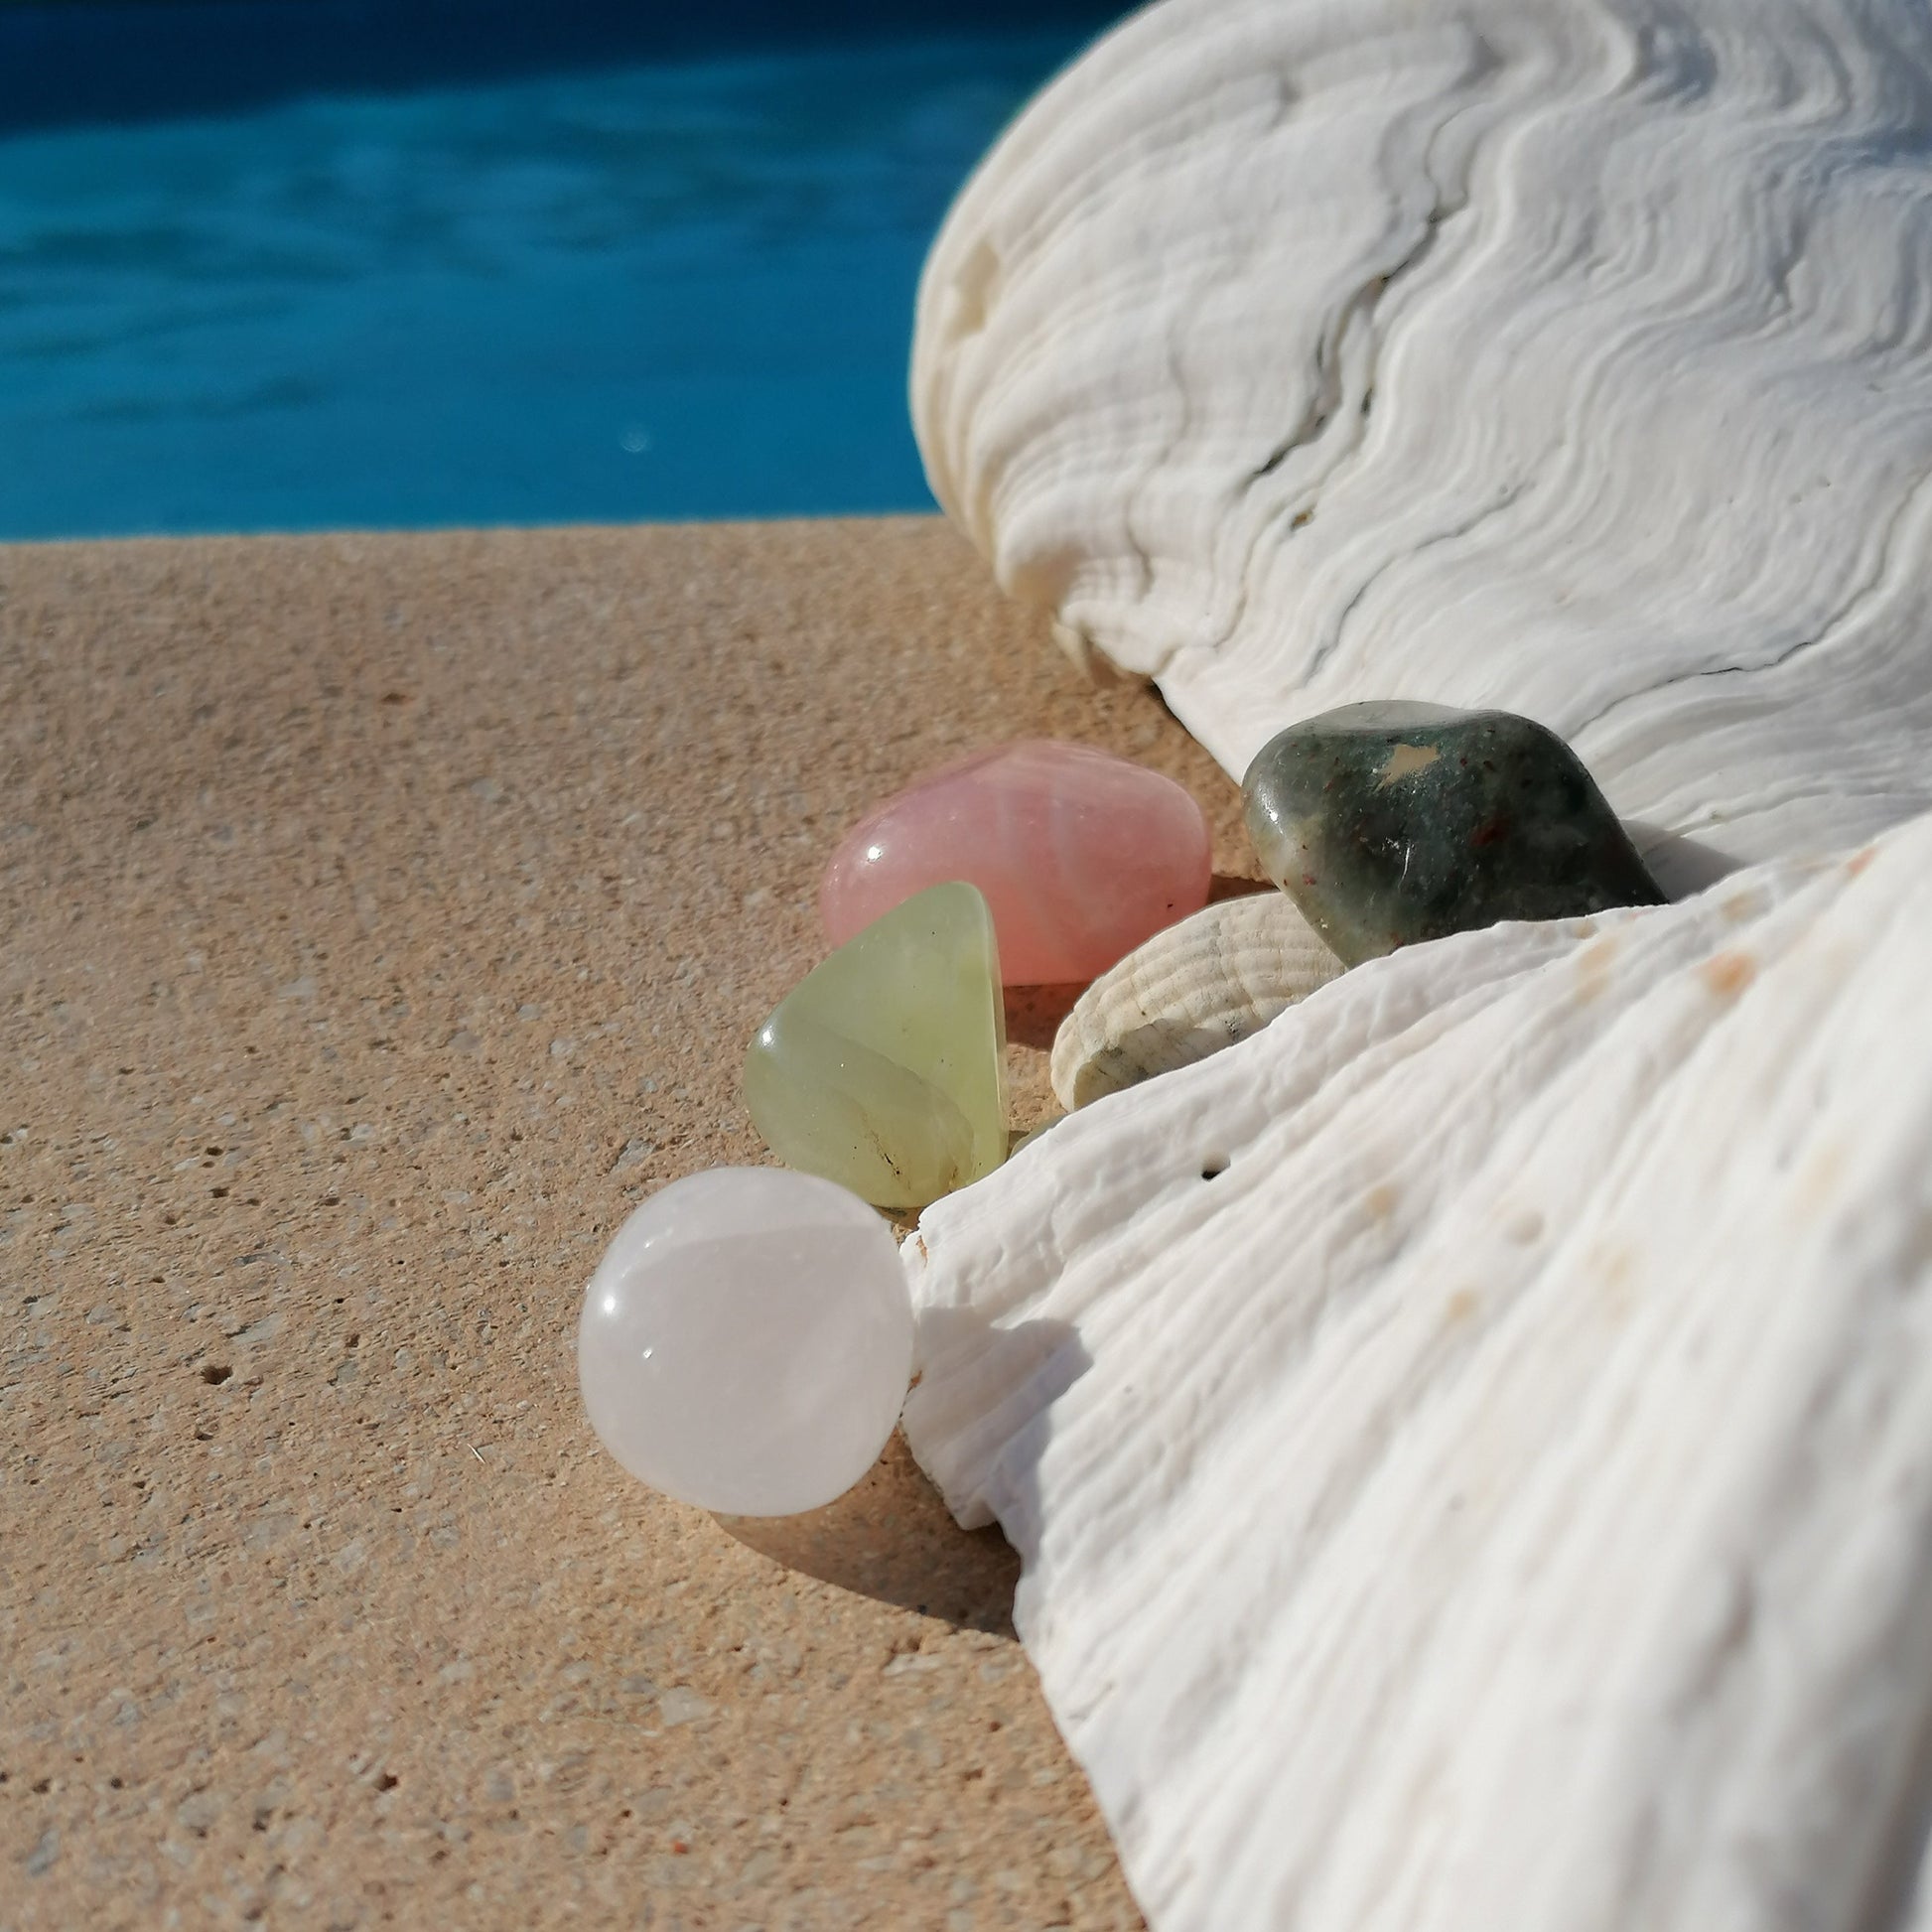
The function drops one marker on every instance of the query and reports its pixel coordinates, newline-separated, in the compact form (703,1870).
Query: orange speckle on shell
(1593,968)
(1726,974)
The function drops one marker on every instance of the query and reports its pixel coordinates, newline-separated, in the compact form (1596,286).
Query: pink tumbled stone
(1081,855)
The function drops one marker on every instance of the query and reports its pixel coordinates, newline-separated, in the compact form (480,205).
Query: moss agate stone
(885,1068)
(1392,822)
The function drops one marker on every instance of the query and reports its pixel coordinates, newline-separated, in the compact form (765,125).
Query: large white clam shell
(1193,990)
(1573,355)
(1502,1497)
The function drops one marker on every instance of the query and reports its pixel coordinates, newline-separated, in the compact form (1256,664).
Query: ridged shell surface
(1572,357)
(1188,992)
(1502,1495)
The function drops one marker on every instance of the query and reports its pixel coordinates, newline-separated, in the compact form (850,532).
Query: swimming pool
(256,273)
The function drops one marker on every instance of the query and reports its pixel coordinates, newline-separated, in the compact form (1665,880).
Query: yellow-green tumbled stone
(885,1068)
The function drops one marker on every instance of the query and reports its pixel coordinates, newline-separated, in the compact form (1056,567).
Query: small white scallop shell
(1197,987)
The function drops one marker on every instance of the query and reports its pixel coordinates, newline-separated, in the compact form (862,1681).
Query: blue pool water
(256,274)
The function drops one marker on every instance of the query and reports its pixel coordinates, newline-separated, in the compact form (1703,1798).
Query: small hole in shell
(1213,1164)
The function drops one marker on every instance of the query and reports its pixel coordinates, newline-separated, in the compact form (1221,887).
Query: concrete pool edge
(385,915)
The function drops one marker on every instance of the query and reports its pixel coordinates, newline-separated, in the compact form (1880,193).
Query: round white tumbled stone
(747,1341)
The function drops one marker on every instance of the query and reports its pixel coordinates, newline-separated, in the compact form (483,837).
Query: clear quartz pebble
(747,1341)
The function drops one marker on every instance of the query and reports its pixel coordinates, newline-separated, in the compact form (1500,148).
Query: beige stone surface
(380,917)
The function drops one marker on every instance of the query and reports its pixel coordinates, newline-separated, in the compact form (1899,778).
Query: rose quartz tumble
(1081,855)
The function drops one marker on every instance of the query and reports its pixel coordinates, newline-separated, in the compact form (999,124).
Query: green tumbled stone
(1392,822)
(885,1068)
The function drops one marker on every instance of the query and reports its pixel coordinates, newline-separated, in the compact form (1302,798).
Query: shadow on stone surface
(891,1538)
(1034,1013)
(1680,865)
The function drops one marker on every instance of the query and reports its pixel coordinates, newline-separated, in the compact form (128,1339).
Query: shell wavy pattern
(1188,992)
(1470,1442)
(1501,1495)
(1568,355)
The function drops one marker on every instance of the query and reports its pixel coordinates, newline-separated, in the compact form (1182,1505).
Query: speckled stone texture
(380,917)
(1392,822)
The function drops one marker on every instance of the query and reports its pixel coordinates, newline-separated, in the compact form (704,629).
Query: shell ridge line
(1886,576)
(1449,192)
